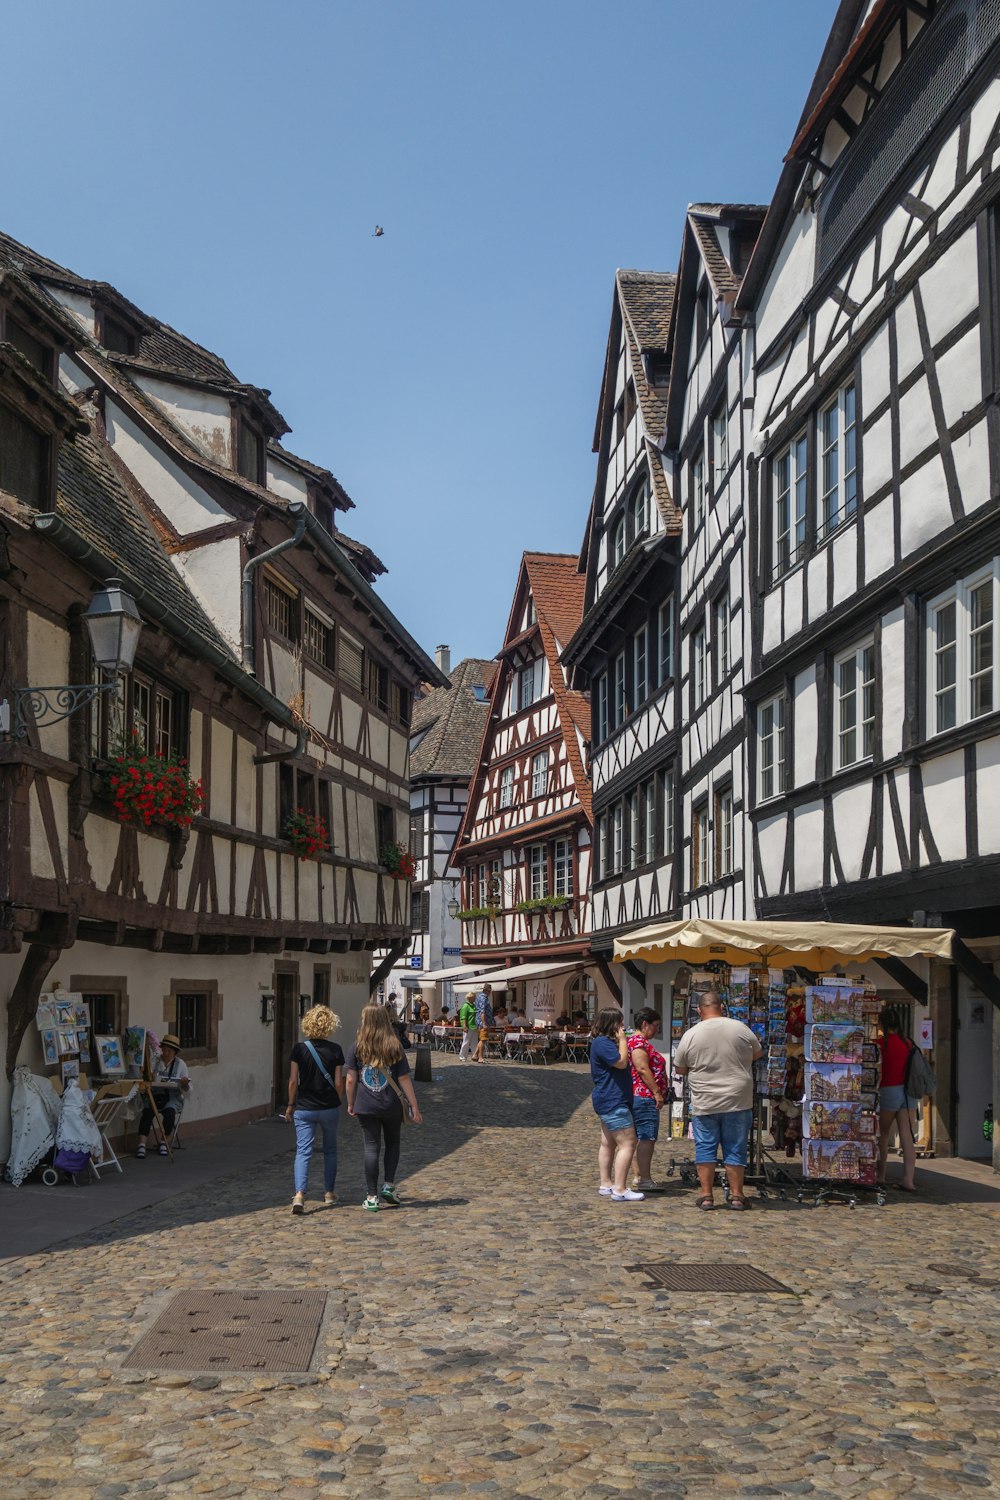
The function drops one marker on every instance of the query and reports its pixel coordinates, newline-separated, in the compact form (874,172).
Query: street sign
(416,962)
(451,952)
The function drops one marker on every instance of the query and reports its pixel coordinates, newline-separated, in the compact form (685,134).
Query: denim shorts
(731,1131)
(618,1119)
(891,1097)
(647,1119)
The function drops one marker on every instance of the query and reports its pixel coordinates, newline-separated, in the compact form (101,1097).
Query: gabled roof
(452,721)
(558,589)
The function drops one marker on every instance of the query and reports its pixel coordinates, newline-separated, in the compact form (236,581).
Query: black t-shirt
(314,1091)
(374,1095)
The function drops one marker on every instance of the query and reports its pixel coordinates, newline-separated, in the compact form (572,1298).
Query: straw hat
(171,1041)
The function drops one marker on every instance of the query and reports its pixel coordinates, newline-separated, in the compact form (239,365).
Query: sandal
(140,1153)
(740,1203)
(705,1204)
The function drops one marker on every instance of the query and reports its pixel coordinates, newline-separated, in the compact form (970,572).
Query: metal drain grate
(695,1276)
(213,1331)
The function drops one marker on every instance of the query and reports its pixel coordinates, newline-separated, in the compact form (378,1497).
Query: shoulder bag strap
(319,1063)
(398,1093)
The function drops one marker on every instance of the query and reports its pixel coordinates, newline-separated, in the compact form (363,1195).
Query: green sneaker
(372,1204)
(389,1194)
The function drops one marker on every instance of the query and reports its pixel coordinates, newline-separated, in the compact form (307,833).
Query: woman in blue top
(611,1073)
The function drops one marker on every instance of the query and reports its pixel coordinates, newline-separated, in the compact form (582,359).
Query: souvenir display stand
(840,1104)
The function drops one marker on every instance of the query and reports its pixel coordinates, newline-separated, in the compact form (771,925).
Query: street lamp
(453,906)
(113,624)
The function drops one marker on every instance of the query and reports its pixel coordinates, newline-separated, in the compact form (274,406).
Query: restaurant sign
(541,1000)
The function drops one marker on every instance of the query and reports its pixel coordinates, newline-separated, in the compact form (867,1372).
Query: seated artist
(171,1082)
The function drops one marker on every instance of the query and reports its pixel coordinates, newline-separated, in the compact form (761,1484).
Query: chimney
(442,655)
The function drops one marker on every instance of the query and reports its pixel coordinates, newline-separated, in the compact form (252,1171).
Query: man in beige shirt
(717,1056)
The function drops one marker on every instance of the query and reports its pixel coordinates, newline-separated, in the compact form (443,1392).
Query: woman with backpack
(895,1103)
(314,1084)
(379,1086)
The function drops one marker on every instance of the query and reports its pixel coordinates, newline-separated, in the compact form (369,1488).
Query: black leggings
(167,1114)
(376,1128)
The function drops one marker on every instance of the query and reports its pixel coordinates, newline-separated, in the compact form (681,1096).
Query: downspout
(297,509)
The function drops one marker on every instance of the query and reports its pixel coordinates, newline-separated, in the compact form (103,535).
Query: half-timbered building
(704,435)
(875,538)
(524,845)
(446,732)
(267,661)
(624,651)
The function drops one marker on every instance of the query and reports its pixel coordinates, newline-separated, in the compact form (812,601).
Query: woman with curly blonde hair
(378,1083)
(314,1084)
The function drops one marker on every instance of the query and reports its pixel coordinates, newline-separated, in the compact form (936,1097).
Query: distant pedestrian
(611,1096)
(315,1080)
(484,1020)
(378,1084)
(649,1092)
(894,1105)
(717,1055)
(470,1029)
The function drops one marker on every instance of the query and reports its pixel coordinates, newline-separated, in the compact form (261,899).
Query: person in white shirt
(171,1083)
(717,1056)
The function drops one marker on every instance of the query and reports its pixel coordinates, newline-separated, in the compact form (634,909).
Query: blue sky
(225,162)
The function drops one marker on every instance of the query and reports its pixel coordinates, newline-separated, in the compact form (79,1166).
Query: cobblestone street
(487,1338)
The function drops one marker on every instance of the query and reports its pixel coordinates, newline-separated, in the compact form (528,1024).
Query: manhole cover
(257,1331)
(693,1276)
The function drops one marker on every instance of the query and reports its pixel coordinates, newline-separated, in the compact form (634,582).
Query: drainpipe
(299,748)
(297,509)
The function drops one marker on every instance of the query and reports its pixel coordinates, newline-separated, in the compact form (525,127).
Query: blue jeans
(646,1117)
(306,1121)
(731,1131)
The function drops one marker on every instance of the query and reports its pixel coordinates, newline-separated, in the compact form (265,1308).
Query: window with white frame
(601,700)
(720,622)
(790,490)
(699,847)
(621,701)
(697,490)
(699,666)
(665,624)
(720,445)
(854,706)
(538,866)
(639,508)
(603,867)
(723,833)
(527,682)
(617,836)
(540,773)
(962,651)
(562,865)
(667,805)
(771,748)
(649,813)
(640,666)
(481,885)
(838,460)
(507,787)
(633,844)
(618,542)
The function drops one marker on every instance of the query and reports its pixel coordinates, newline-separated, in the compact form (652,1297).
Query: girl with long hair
(611,1074)
(378,1084)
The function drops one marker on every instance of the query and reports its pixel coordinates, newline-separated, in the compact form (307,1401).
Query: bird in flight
(379,231)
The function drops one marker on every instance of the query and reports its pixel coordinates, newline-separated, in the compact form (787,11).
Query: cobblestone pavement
(487,1339)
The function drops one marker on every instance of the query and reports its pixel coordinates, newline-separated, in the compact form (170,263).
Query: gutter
(296,509)
(56,530)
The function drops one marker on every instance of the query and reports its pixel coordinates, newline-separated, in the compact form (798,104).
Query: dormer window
(116,336)
(25,459)
(36,352)
(322,509)
(249,450)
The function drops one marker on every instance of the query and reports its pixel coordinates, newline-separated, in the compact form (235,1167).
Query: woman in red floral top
(649,1091)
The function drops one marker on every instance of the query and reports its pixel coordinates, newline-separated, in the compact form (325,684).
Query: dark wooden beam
(905,978)
(631,967)
(35,968)
(609,978)
(382,969)
(981,975)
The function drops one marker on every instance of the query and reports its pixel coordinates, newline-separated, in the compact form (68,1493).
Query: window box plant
(398,861)
(150,790)
(543,904)
(478,913)
(306,833)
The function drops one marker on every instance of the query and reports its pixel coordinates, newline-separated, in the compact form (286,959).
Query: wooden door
(286,1028)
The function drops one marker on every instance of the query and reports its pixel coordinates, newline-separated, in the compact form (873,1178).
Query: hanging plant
(398,861)
(306,833)
(543,903)
(478,913)
(154,789)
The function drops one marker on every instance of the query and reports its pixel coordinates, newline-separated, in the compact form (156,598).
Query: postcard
(836,1006)
(83,1043)
(50,1047)
(836,1122)
(828,1044)
(833,1082)
(840,1161)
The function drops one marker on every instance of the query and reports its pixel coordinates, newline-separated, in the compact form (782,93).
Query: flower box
(150,790)
(306,833)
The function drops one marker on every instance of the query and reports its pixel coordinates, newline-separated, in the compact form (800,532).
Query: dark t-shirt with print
(314,1091)
(374,1096)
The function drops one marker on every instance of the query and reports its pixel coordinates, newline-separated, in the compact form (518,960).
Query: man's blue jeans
(306,1121)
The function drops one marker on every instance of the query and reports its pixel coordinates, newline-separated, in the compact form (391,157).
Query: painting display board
(839,1113)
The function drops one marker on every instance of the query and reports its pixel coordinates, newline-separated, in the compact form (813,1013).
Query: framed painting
(110,1057)
(50,1047)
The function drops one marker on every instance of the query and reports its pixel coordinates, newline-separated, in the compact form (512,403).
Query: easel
(144,1086)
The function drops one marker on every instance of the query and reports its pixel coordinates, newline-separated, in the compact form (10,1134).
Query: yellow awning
(814,945)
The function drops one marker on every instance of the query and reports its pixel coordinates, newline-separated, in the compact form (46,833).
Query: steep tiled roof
(648,301)
(703,218)
(454,720)
(313,471)
(364,559)
(558,589)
